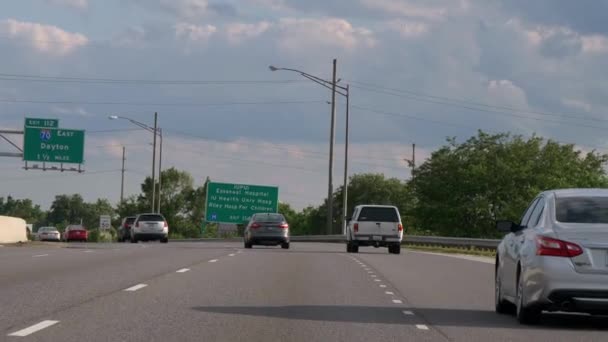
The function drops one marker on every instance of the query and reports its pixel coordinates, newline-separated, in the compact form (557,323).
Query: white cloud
(76,111)
(506,93)
(298,33)
(409,29)
(275,5)
(238,32)
(193,32)
(44,38)
(577,104)
(402,8)
(595,43)
(80,4)
(187,8)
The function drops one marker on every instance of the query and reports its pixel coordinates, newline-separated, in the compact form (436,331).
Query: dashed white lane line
(422,327)
(397,301)
(135,288)
(389,293)
(382,286)
(34,328)
(377,280)
(213,260)
(39,255)
(231,254)
(183,270)
(373,275)
(407,313)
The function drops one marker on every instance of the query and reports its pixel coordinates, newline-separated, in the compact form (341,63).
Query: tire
(501,306)
(348,248)
(248,245)
(527,315)
(133,239)
(395,249)
(285,245)
(164,240)
(355,248)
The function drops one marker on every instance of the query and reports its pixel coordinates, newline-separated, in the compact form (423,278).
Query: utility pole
(122,182)
(330,191)
(413,157)
(345,186)
(154,163)
(160,169)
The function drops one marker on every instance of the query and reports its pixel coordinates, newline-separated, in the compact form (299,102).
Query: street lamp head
(113,117)
(273,68)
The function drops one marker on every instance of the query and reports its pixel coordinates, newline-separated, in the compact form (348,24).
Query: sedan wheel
(525,314)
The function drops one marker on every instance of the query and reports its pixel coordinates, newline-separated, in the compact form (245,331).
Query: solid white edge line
(407,313)
(183,270)
(34,328)
(135,288)
(213,260)
(422,327)
(397,301)
(39,255)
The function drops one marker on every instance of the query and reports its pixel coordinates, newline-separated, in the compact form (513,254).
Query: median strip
(135,288)
(34,328)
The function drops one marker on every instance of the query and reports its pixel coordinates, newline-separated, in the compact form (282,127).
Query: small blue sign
(214,217)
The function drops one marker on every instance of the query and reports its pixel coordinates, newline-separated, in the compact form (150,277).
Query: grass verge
(453,250)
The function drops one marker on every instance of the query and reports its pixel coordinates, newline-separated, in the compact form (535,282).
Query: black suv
(124,231)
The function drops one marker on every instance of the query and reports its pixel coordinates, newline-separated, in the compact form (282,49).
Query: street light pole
(122,182)
(154,163)
(345,186)
(160,168)
(332,142)
(331,85)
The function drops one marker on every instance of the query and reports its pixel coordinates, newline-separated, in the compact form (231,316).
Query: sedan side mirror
(507,226)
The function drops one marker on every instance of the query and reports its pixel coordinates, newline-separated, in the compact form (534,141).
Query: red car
(75,233)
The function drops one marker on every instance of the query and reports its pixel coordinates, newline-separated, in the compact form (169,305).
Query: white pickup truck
(374,225)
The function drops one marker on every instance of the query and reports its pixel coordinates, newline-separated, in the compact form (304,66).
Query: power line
(267,145)
(175,104)
(459,102)
(85,80)
(406,116)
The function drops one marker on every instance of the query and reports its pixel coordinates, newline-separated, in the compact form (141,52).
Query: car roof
(576,192)
(376,206)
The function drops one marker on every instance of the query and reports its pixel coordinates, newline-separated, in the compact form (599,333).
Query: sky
(419,71)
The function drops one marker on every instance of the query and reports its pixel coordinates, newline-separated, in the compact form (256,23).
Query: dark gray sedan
(269,229)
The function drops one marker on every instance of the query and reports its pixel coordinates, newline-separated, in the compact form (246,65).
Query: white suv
(374,225)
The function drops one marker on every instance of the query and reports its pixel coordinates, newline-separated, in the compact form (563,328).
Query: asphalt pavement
(218,291)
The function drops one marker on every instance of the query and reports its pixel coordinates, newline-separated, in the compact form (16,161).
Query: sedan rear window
(582,209)
(269,218)
(151,218)
(378,214)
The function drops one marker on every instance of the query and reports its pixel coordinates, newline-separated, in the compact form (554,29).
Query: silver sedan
(556,258)
(48,234)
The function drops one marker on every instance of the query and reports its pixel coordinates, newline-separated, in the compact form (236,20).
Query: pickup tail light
(166,225)
(255,226)
(553,247)
(356,227)
(137,225)
(400,227)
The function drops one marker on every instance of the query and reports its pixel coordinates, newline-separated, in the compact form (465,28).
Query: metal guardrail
(408,239)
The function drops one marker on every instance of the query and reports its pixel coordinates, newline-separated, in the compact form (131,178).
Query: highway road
(218,291)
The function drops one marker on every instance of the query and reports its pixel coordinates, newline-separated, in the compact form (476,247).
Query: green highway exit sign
(236,203)
(35,122)
(53,145)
